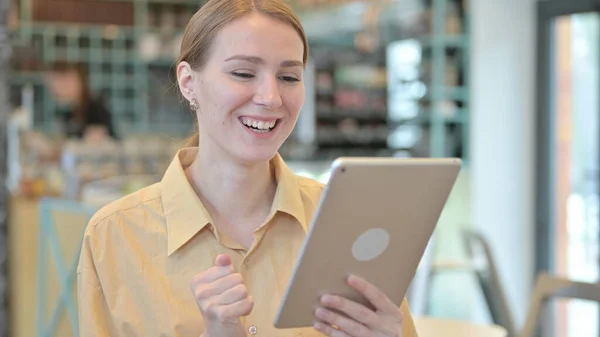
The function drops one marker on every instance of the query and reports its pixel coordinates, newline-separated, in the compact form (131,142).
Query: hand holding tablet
(374,221)
(353,319)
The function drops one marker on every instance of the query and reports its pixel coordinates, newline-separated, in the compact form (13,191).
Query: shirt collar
(186,215)
(288,198)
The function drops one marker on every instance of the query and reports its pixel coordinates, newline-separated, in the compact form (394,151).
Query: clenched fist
(223,299)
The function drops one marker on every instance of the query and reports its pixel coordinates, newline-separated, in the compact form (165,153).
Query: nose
(268,95)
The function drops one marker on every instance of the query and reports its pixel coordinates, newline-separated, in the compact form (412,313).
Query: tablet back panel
(374,220)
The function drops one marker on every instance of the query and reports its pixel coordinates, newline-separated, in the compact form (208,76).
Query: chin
(254,155)
(258,157)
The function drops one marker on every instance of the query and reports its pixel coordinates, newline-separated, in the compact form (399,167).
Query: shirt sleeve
(408,325)
(94,315)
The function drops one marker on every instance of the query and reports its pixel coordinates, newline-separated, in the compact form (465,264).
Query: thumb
(222,260)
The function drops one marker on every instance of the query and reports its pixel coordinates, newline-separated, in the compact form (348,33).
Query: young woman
(209,250)
(87,115)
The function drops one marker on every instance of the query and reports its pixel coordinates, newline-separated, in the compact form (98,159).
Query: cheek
(71,88)
(224,98)
(294,99)
(62,92)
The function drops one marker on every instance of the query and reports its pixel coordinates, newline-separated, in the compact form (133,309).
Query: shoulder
(310,190)
(144,201)
(309,185)
(117,232)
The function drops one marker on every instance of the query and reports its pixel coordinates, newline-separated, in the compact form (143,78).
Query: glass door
(575,109)
(568,161)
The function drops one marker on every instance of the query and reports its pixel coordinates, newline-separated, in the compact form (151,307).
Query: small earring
(194,104)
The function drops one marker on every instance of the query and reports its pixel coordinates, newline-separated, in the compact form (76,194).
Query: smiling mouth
(259,126)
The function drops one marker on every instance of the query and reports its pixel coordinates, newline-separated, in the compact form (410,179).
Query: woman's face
(250,90)
(64,86)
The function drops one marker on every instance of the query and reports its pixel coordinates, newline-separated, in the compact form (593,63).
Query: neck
(231,191)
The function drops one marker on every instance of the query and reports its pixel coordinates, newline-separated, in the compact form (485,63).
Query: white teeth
(260,125)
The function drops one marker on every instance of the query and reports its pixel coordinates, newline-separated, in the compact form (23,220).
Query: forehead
(259,35)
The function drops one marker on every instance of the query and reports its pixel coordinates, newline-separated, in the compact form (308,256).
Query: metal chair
(548,287)
(488,277)
(480,262)
(77,216)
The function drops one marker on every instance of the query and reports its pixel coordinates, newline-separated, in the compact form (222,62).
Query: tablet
(374,220)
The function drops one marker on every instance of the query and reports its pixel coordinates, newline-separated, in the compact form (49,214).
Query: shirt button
(253,330)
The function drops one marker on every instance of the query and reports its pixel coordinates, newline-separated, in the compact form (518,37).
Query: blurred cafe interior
(511,87)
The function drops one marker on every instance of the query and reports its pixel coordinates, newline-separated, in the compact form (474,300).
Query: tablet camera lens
(343,169)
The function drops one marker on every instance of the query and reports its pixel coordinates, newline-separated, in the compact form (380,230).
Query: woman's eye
(242,75)
(290,79)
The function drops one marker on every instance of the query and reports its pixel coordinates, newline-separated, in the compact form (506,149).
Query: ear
(185,80)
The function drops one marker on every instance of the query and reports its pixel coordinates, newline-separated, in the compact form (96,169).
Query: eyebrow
(259,60)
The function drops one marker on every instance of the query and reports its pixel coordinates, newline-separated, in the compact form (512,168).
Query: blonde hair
(216,14)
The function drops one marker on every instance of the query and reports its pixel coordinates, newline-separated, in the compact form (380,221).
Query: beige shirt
(140,253)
